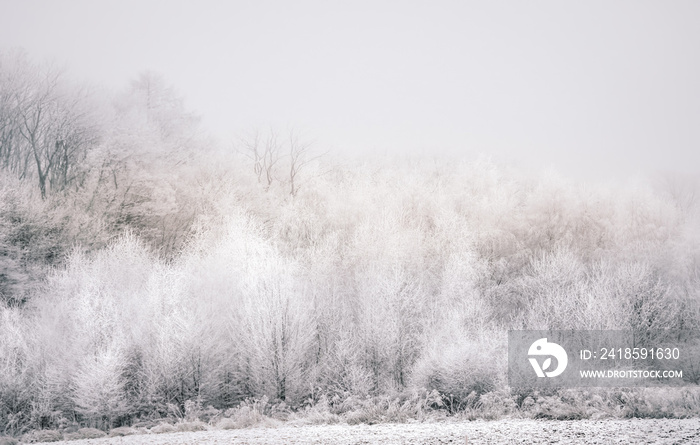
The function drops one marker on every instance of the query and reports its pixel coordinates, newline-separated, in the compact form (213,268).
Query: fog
(594,90)
(222,215)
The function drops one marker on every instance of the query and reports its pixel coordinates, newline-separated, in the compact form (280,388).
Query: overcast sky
(590,87)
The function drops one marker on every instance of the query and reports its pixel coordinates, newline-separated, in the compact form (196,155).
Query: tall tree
(45,129)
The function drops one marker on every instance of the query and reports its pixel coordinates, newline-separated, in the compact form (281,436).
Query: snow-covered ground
(656,431)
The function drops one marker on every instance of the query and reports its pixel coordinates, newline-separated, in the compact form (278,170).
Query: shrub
(191,426)
(147,424)
(163,428)
(247,414)
(382,409)
(316,414)
(553,407)
(91,433)
(122,431)
(84,433)
(37,436)
(657,403)
(460,370)
(493,405)
(194,411)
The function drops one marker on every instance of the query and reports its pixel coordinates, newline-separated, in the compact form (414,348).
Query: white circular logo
(542,348)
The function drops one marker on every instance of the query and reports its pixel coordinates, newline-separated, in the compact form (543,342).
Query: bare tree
(44,129)
(264,154)
(299,158)
(251,149)
(682,189)
(271,157)
(13,77)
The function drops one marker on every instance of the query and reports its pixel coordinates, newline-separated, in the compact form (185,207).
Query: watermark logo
(594,358)
(542,348)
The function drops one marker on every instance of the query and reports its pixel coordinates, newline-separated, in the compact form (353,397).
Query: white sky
(590,87)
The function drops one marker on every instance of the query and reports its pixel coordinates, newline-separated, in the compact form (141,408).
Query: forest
(148,272)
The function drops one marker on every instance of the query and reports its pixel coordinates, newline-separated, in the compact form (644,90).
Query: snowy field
(656,431)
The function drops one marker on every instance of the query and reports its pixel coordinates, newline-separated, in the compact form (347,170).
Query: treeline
(79,165)
(179,277)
